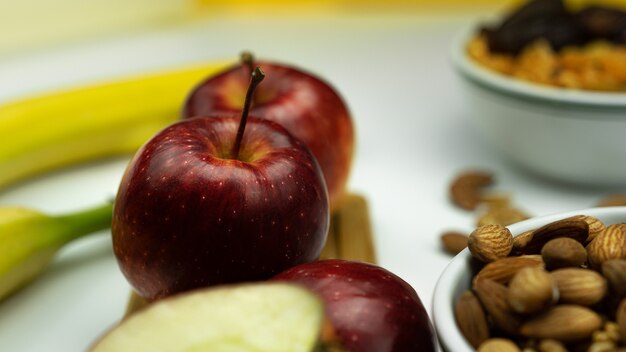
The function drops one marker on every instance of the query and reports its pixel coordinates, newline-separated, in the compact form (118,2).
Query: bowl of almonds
(548,284)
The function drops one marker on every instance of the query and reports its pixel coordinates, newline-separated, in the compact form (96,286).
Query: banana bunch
(29,240)
(48,132)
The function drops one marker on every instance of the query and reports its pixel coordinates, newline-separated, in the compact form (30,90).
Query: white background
(413,136)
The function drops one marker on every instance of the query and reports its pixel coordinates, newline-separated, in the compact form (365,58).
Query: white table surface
(413,135)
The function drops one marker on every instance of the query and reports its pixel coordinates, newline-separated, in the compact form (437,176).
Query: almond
(490,242)
(574,228)
(466,189)
(454,242)
(503,270)
(614,271)
(564,323)
(550,345)
(595,225)
(609,244)
(531,290)
(471,319)
(563,252)
(580,286)
(612,200)
(498,345)
(493,297)
(501,216)
(521,241)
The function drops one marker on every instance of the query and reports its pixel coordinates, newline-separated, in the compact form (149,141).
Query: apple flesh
(239,318)
(304,104)
(189,215)
(371,309)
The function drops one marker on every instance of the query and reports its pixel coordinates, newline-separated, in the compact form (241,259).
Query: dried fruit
(564,323)
(454,242)
(466,188)
(498,345)
(563,252)
(493,297)
(614,271)
(579,286)
(503,270)
(490,242)
(609,244)
(471,319)
(531,289)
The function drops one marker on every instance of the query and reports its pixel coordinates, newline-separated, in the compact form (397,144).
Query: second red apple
(304,104)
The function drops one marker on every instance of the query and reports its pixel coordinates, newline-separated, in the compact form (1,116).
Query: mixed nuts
(560,287)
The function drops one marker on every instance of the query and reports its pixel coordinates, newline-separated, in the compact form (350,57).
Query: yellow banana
(47,132)
(29,240)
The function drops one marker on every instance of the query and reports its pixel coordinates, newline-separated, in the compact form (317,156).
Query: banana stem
(82,223)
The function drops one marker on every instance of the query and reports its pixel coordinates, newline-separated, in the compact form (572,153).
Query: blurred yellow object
(28,24)
(29,240)
(52,131)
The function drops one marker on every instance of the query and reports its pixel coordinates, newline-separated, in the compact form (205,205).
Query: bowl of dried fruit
(552,283)
(546,86)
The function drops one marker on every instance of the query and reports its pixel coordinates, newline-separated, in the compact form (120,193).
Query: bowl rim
(478,74)
(443,303)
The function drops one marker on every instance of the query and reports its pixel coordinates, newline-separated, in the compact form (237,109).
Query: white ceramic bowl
(570,135)
(456,278)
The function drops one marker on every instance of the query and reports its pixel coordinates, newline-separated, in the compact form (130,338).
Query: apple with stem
(203,203)
(370,308)
(304,104)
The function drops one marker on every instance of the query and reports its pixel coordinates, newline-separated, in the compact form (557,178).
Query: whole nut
(564,323)
(595,225)
(609,244)
(572,227)
(614,271)
(471,319)
(503,270)
(493,297)
(550,345)
(501,216)
(531,290)
(490,242)
(466,189)
(521,241)
(580,286)
(498,345)
(454,242)
(563,252)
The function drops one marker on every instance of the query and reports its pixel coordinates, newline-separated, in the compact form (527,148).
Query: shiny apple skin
(187,216)
(371,309)
(304,104)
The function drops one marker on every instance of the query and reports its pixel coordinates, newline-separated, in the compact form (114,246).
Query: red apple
(304,104)
(203,203)
(371,309)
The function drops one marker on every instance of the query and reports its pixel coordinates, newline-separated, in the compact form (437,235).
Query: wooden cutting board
(349,237)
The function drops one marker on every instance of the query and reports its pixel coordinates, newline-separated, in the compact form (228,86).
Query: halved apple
(259,317)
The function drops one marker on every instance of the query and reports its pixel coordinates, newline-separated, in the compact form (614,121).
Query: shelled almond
(561,287)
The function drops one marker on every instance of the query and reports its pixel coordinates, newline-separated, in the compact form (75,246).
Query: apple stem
(248,60)
(255,78)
